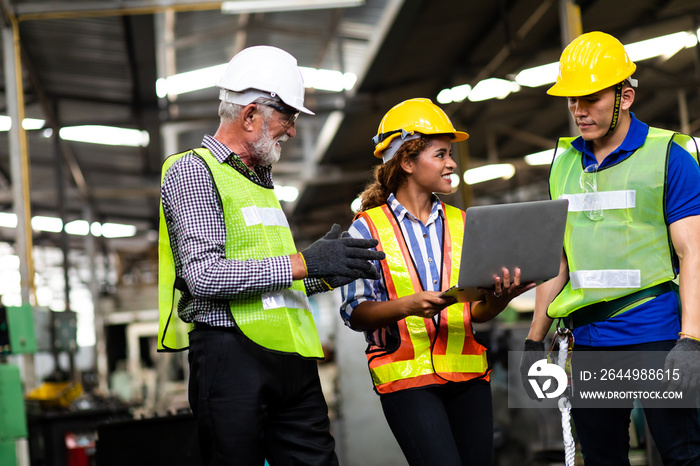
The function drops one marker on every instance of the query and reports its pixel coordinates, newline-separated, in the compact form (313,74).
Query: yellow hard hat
(590,63)
(413,116)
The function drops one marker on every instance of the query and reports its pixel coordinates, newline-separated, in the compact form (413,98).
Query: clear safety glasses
(289,114)
(593,201)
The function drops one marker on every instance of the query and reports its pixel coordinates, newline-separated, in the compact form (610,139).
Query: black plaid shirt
(198,238)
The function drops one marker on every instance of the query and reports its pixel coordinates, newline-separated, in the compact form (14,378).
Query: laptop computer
(528,235)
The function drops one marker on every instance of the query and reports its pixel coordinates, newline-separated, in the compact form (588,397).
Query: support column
(571,28)
(19,169)
(100,343)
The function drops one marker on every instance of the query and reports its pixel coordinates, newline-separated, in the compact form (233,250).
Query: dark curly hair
(389,176)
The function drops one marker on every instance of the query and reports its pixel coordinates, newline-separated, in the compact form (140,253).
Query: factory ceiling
(94,62)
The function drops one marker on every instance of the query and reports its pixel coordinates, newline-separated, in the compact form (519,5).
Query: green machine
(16,337)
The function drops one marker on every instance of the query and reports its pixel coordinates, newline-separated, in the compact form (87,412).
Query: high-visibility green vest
(426,355)
(256,228)
(629,248)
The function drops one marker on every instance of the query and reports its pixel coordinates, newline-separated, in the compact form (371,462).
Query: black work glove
(336,281)
(685,358)
(336,255)
(532,352)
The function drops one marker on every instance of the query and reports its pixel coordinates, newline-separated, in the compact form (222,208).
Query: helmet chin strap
(616,109)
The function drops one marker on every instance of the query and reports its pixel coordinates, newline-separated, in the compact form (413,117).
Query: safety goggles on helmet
(409,120)
(380,137)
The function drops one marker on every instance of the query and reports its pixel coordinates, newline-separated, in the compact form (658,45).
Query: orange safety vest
(426,355)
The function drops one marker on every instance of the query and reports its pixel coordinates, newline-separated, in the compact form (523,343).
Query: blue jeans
(604,433)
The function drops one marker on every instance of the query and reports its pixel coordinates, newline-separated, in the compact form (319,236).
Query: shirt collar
(401,212)
(219,150)
(636,135)
(262,174)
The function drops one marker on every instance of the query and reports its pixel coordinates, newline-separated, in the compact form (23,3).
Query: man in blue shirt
(621,176)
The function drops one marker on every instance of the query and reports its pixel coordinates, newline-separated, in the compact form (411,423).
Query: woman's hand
(496,300)
(371,315)
(426,304)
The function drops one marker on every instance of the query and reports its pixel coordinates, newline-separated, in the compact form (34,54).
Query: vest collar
(636,135)
(400,211)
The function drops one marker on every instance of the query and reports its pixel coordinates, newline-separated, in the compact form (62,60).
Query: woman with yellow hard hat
(429,371)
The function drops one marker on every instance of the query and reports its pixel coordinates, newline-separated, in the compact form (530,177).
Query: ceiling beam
(65,10)
(500,56)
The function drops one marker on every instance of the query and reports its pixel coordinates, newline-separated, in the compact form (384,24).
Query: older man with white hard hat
(226,248)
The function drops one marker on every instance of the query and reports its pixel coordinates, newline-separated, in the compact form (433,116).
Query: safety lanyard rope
(564,339)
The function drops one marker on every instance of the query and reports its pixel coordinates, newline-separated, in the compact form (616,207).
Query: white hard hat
(263,71)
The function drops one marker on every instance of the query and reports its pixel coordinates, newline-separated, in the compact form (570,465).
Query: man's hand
(684,358)
(340,258)
(532,352)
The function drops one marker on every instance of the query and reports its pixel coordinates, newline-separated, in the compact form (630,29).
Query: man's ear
(249,115)
(627,98)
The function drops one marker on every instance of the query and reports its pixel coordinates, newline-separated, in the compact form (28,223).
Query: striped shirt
(198,237)
(424,243)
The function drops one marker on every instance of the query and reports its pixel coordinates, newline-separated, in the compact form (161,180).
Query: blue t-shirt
(659,318)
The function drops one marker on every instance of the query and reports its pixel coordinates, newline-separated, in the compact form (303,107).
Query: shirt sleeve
(362,289)
(197,230)
(314,286)
(682,186)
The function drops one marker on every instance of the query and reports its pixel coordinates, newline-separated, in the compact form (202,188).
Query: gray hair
(229,112)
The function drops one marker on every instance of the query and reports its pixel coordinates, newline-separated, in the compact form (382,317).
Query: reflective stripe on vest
(629,248)
(423,358)
(256,228)
(608,200)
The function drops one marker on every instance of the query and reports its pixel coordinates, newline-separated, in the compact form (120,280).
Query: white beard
(267,151)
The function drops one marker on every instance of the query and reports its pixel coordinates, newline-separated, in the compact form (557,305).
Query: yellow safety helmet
(590,63)
(413,116)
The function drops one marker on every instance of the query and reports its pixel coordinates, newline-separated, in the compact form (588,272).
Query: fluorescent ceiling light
(538,75)
(540,158)
(190,81)
(663,46)
(27,123)
(8,220)
(76,227)
(327,80)
(51,224)
(117,230)
(454,94)
(286,193)
(263,6)
(9,262)
(489,172)
(356,205)
(109,135)
(492,88)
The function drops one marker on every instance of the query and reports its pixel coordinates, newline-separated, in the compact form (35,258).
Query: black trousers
(446,425)
(604,432)
(253,405)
